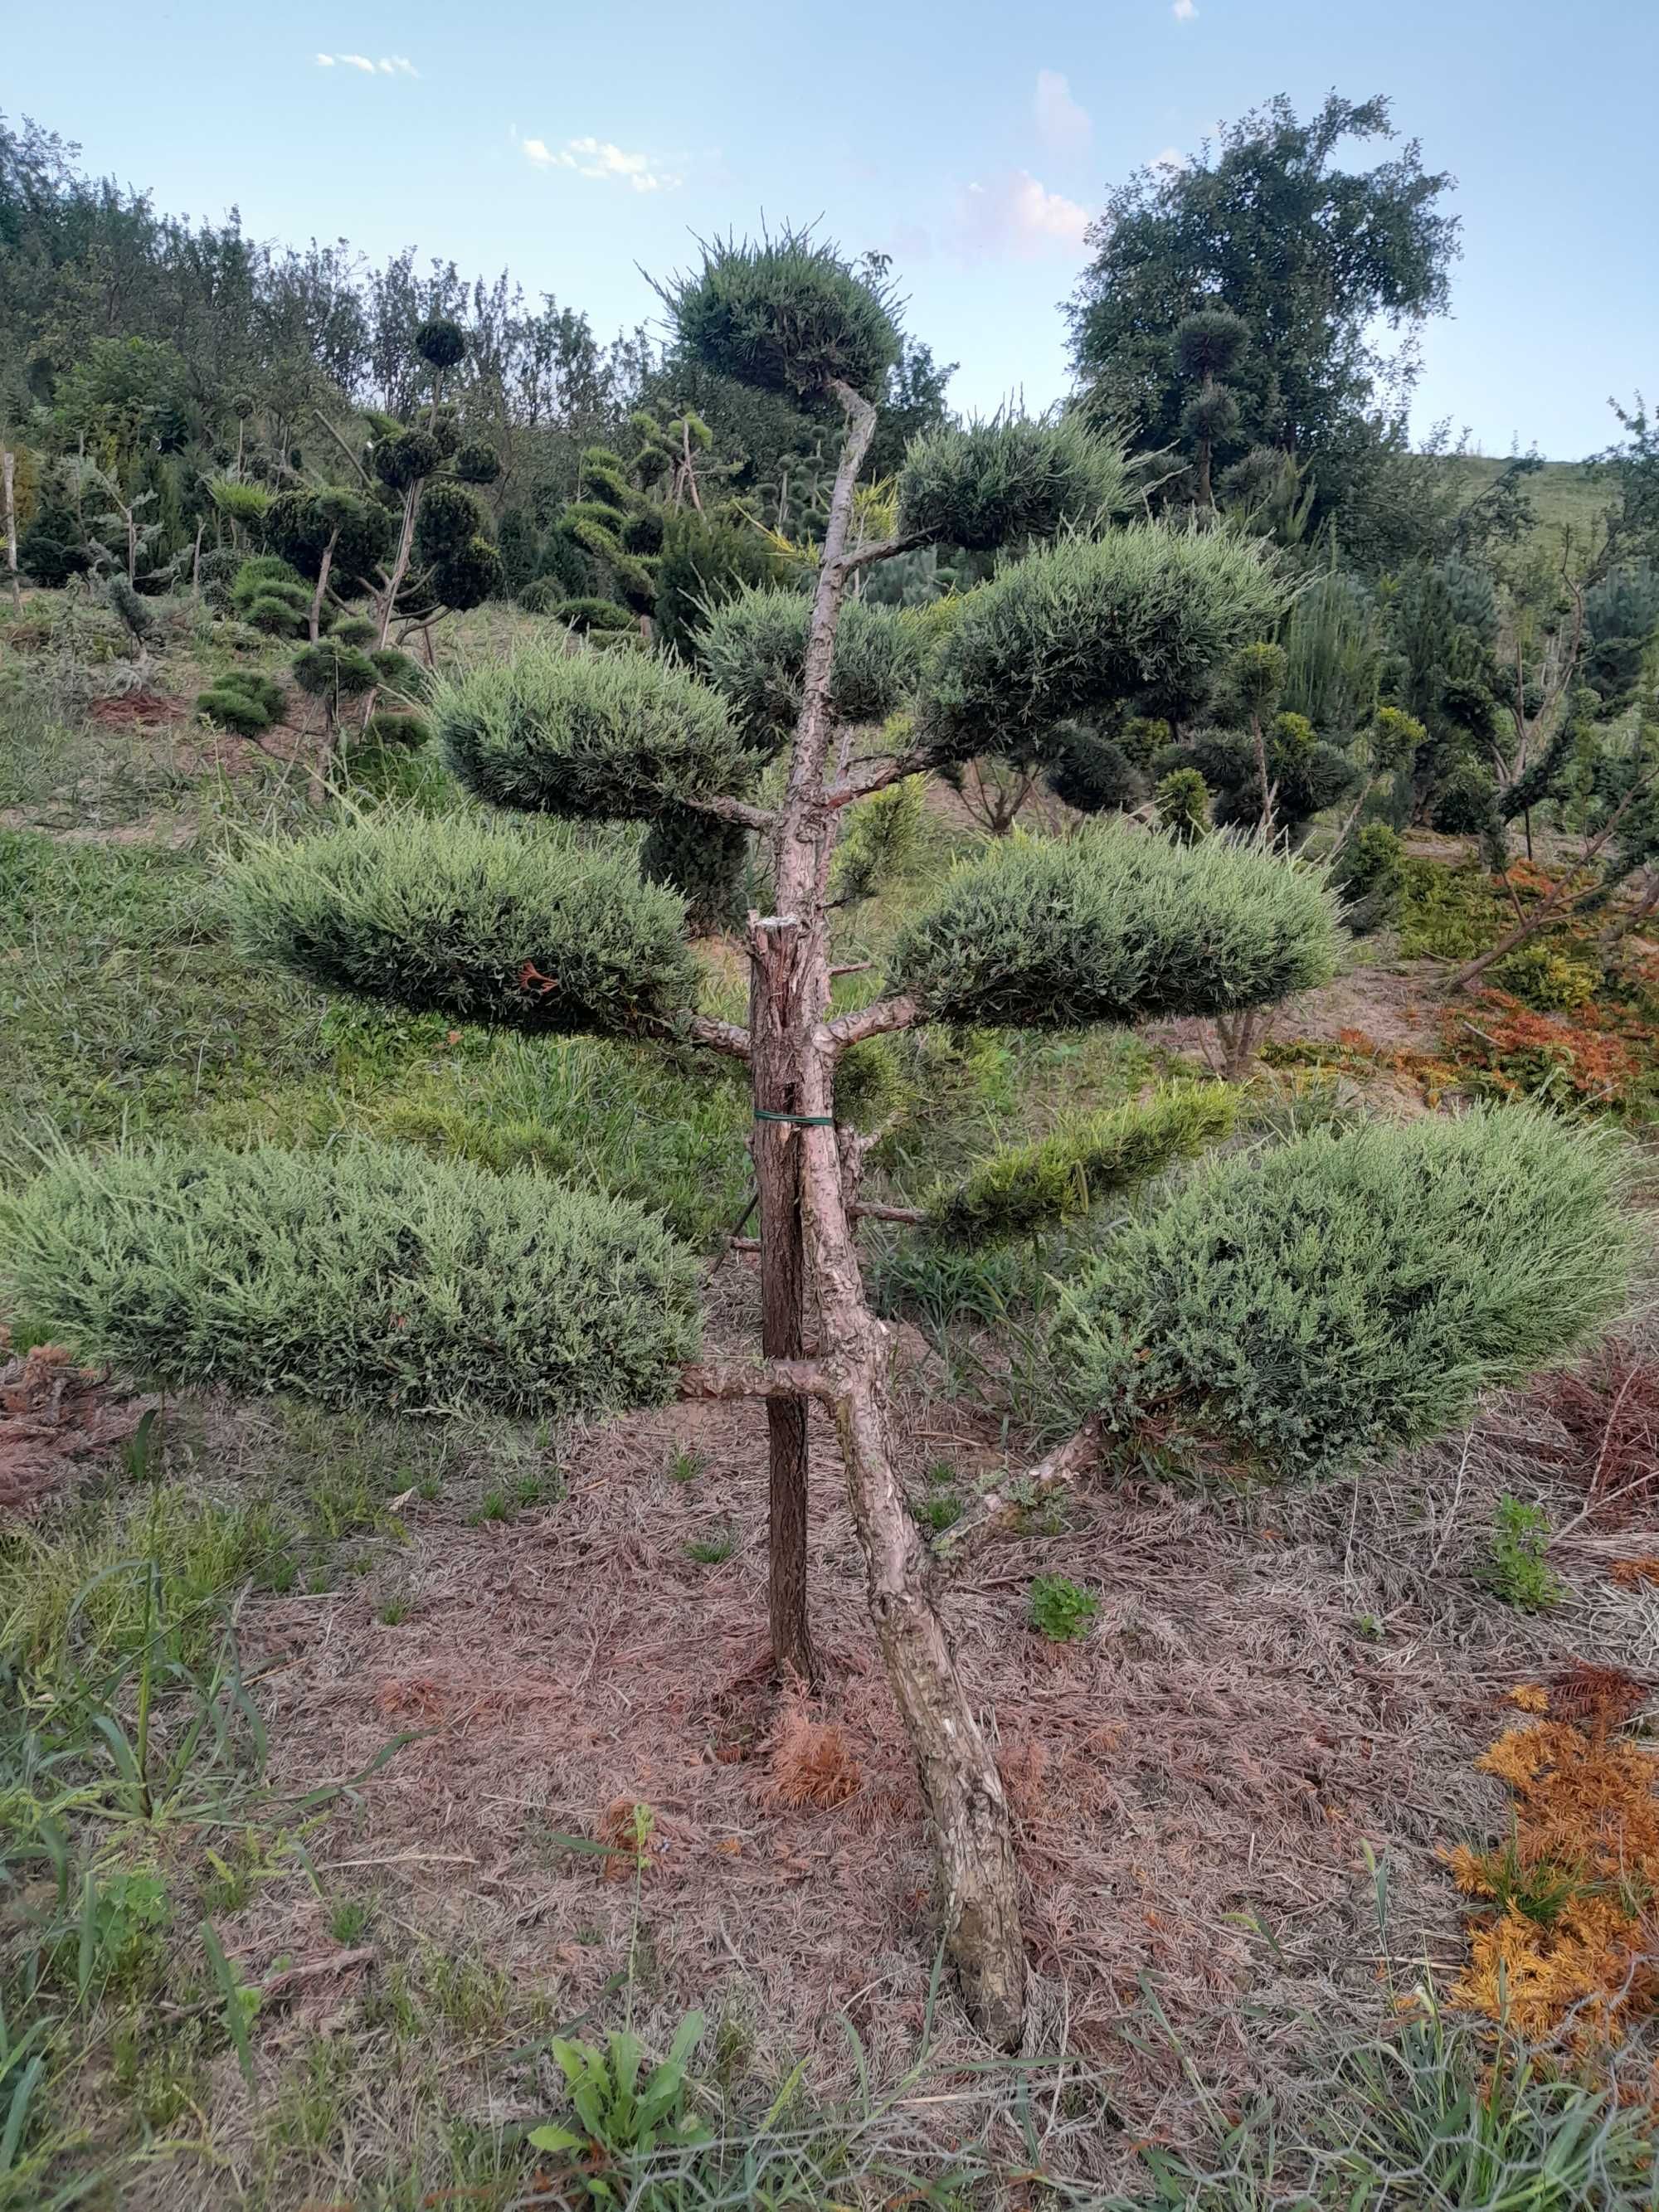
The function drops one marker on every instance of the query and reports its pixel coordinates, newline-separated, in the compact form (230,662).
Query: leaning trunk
(321,592)
(400,566)
(970,1832)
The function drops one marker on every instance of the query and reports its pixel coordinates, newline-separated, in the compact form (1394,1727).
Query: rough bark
(400,564)
(804,1195)
(775,1058)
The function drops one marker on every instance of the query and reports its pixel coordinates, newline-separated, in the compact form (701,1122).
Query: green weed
(1061,1609)
(1514,1569)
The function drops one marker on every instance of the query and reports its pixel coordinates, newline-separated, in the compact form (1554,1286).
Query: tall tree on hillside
(1263,223)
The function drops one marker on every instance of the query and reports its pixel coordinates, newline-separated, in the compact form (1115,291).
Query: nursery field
(362,1776)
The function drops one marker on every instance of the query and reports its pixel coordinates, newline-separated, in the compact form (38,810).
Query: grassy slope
(1563,495)
(124,1005)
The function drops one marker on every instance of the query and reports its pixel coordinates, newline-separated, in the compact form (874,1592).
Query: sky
(579,145)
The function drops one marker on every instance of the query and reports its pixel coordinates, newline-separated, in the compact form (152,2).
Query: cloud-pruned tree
(535,929)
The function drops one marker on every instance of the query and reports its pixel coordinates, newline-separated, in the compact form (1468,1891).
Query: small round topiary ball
(440,342)
(477,463)
(400,461)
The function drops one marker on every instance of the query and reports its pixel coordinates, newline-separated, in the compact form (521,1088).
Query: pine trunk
(801,1172)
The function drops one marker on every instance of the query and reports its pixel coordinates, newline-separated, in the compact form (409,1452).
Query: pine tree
(540,933)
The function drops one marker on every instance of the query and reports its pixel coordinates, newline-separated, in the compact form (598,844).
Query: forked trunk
(799,1170)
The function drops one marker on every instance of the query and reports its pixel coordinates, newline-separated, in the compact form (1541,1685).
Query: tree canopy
(1307,254)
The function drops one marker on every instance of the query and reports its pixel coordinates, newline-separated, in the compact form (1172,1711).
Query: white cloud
(1016,216)
(388,65)
(599,159)
(1170,158)
(1184,10)
(1060,122)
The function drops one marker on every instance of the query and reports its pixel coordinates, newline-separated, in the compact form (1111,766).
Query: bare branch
(877,772)
(912,1215)
(733,809)
(874,1020)
(778,1378)
(884,549)
(1057,1470)
(720,1037)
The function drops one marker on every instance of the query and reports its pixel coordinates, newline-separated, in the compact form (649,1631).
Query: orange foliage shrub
(811,1762)
(1579,1946)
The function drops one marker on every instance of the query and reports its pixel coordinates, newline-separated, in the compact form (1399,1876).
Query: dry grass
(53,1415)
(1279,1694)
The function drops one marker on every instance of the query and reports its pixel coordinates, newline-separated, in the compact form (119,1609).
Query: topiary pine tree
(1207,346)
(444,560)
(541,934)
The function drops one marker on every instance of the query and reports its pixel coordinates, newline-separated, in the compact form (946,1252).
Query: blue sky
(568,143)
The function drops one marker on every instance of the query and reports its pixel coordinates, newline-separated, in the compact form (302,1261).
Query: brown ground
(1274,1688)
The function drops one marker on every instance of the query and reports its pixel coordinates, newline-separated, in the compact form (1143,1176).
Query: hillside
(1564,495)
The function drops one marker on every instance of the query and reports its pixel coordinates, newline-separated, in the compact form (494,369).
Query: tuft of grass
(715,1549)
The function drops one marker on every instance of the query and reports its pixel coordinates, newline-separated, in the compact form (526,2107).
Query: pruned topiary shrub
(1342,1297)
(480,923)
(786,314)
(1113,926)
(996,484)
(753,650)
(244,701)
(385,1279)
(703,860)
(402,732)
(1077,627)
(585,615)
(610,736)
(1025,1186)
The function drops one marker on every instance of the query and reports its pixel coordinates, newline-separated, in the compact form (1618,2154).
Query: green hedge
(482,923)
(999,483)
(604,735)
(754,649)
(1080,626)
(1075,1166)
(1345,1297)
(373,1278)
(1113,925)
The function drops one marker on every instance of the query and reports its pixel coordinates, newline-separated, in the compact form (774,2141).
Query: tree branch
(874,1020)
(778,1378)
(911,1215)
(877,773)
(728,1037)
(1057,1471)
(884,549)
(733,809)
